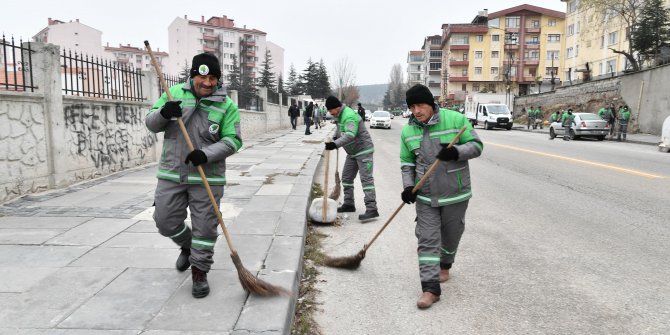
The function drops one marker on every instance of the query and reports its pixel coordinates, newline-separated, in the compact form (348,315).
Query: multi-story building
(221,37)
(516,50)
(591,33)
(135,57)
(415,67)
(433,64)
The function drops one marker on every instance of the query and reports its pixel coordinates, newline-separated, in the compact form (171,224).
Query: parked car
(406,113)
(586,125)
(380,119)
(368,114)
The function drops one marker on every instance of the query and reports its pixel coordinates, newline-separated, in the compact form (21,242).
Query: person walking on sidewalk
(309,110)
(317,117)
(568,121)
(355,138)
(442,200)
(361,111)
(294,113)
(624,116)
(213,121)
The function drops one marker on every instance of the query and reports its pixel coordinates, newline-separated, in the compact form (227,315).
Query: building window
(435,53)
(435,66)
(611,66)
(531,55)
(495,54)
(571,30)
(464,72)
(577,27)
(512,21)
(553,54)
(465,56)
(535,24)
(479,54)
(613,38)
(464,87)
(475,87)
(494,70)
(478,70)
(572,6)
(512,71)
(480,38)
(492,87)
(570,52)
(534,40)
(495,38)
(553,38)
(551,23)
(602,42)
(549,70)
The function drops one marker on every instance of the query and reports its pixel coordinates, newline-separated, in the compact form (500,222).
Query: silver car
(586,125)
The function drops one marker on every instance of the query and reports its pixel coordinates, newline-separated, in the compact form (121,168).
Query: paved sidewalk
(87,259)
(638,138)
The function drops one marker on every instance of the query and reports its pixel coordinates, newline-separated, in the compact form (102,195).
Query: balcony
(209,49)
(532,61)
(533,30)
(248,64)
(459,47)
(209,37)
(247,41)
(532,45)
(453,62)
(433,84)
(435,72)
(250,53)
(454,79)
(511,47)
(528,79)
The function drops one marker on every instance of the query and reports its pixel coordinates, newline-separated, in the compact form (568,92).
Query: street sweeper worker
(442,200)
(213,123)
(355,138)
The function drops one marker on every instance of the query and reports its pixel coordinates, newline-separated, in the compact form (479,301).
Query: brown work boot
(200,285)
(427,299)
(444,275)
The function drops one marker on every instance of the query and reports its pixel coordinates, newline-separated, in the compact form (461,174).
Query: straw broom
(249,282)
(335,194)
(354,261)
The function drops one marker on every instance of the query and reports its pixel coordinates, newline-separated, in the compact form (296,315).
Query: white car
(380,119)
(586,125)
(407,113)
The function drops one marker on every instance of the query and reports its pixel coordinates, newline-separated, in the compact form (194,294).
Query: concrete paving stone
(55,297)
(296,203)
(27,236)
(72,199)
(242,160)
(185,332)
(292,224)
(109,200)
(248,223)
(27,331)
(275,189)
(142,240)
(129,257)
(249,332)
(128,302)
(266,203)
(93,232)
(216,312)
(273,309)
(252,250)
(39,256)
(285,253)
(246,190)
(20,279)
(143,226)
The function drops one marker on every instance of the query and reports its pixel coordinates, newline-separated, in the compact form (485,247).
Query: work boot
(369,214)
(200,285)
(346,208)
(182,261)
(444,275)
(427,299)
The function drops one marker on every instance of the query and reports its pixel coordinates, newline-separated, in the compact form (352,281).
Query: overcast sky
(372,34)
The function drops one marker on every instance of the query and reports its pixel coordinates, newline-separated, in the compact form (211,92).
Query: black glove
(408,196)
(171,109)
(331,146)
(196,157)
(447,153)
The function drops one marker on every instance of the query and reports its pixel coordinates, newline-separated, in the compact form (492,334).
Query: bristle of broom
(335,194)
(254,285)
(349,262)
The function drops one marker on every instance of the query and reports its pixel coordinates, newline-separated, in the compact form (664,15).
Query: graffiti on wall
(110,137)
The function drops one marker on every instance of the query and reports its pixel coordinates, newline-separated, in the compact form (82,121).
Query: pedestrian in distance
(605,113)
(213,120)
(568,121)
(624,116)
(531,117)
(307,114)
(355,138)
(317,117)
(539,117)
(442,200)
(294,113)
(361,111)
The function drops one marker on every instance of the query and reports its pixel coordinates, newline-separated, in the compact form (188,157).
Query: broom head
(254,285)
(335,194)
(349,262)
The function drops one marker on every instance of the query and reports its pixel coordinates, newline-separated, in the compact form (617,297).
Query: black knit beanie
(332,102)
(419,94)
(204,64)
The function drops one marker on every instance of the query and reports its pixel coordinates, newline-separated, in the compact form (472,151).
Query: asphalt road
(561,238)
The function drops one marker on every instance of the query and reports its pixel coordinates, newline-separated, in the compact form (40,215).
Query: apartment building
(220,36)
(136,57)
(415,67)
(590,35)
(515,50)
(432,73)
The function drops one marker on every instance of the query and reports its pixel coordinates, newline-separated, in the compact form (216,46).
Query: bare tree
(397,87)
(344,76)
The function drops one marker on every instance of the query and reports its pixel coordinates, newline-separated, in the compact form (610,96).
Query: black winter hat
(204,64)
(332,102)
(419,94)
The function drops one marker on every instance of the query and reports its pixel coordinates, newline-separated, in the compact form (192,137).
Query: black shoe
(183,263)
(200,285)
(346,208)
(368,215)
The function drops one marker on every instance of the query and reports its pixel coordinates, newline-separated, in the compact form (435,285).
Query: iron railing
(250,101)
(17,71)
(94,77)
(273,97)
(170,80)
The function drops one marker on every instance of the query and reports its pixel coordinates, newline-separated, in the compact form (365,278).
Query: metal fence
(284,99)
(94,77)
(16,73)
(170,80)
(273,97)
(251,102)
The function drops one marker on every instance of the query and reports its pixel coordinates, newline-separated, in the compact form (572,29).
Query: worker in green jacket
(624,116)
(213,122)
(442,200)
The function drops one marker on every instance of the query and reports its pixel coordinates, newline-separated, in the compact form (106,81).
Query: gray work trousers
(362,164)
(623,129)
(438,231)
(171,200)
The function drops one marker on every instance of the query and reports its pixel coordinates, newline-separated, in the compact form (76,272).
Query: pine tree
(267,76)
(280,85)
(292,83)
(322,82)
(652,29)
(308,78)
(185,72)
(234,76)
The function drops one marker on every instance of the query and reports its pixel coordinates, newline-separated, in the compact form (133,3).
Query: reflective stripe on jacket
(420,143)
(213,123)
(352,133)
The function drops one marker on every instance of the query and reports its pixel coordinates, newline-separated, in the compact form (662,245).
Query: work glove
(171,109)
(196,157)
(408,196)
(447,153)
(331,146)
